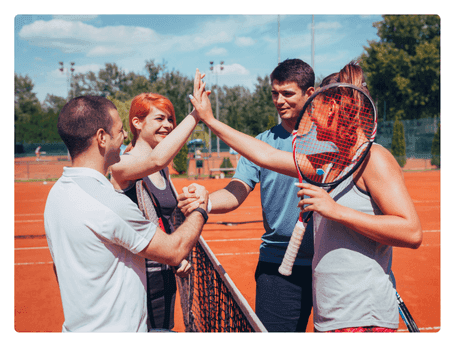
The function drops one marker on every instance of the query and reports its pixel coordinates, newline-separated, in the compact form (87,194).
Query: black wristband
(204,214)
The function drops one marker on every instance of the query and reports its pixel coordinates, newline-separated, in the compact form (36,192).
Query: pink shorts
(370,329)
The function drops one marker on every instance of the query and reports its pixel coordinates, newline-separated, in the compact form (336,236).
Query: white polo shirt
(94,234)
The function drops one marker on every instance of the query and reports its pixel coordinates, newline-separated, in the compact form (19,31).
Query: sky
(188,35)
(246,44)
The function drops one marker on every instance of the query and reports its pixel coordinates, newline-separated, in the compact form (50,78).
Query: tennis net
(210,301)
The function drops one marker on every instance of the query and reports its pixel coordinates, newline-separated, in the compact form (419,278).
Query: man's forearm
(231,197)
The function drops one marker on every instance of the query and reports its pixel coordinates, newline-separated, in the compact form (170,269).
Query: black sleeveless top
(164,197)
(165,200)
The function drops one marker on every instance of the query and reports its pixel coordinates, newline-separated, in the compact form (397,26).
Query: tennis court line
(216,240)
(28,214)
(243,253)
(35,263)
(233,240)
(420,328)
(30,248)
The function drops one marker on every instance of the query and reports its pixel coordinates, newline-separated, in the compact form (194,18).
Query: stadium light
(217,107)
(69,78)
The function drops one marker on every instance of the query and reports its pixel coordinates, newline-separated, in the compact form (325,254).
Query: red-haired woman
(156,141)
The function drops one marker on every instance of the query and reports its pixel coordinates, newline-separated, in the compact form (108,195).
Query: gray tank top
(351,284)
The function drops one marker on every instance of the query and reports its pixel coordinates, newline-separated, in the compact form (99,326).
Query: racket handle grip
(293,248)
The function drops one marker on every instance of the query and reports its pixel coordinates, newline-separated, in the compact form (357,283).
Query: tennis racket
(406,316)
(332,137)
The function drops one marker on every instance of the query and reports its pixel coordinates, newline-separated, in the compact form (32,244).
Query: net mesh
(209,299)
(332,134)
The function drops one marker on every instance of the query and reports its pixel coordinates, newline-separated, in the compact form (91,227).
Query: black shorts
(161,291)
(283,303)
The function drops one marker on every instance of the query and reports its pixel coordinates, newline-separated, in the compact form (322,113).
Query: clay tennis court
(37,299)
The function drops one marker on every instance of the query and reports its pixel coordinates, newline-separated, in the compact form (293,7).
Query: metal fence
(419,134)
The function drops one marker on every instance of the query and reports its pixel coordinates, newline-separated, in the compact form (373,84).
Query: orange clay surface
(37,301)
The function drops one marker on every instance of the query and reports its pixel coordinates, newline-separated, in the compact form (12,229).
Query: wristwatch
(204,214)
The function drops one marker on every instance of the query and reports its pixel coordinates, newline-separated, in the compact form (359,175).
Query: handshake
(193,196)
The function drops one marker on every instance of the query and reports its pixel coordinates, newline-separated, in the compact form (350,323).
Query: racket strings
(341,121)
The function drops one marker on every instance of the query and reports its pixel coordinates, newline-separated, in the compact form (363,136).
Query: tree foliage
(123,109)
(403,67)
(436,148)
(180,161)
(398,143)
(249,112)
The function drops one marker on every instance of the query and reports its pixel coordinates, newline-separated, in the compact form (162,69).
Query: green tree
(111,80)
(153,70)
(403,67)
(123,108)
(54,103)
(27,111)
(260,108)
(84,84)
(399,143)
(226,164)
(436,148)
(181,160)
(176,88)
(234,104)
(135,85)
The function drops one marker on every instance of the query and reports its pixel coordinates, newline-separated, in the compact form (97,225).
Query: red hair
(142,105)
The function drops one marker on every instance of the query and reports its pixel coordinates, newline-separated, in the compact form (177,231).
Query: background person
(38,153)
(98,238)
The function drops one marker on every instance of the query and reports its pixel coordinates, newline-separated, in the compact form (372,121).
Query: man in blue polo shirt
(97,237)
(282,303)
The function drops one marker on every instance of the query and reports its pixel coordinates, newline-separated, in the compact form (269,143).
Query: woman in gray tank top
(356,227)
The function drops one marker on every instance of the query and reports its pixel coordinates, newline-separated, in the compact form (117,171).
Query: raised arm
(148,160)
(255,150)
(132,167)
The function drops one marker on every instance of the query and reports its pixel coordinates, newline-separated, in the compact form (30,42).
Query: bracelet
(204,214)
(209,206)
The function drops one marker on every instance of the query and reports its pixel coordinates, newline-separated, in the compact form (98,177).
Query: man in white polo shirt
(97,237)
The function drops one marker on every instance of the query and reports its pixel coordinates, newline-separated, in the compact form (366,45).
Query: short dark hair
(294,70)
(80,119)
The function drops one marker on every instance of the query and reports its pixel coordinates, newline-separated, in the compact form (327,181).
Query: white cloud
(70,35)
(234,69)
(74,36)
(244,41)
(217,51)
(78,18)
(324,26)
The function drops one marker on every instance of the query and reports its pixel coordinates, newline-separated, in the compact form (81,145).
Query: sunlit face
(156,126)
(288,99)
(324,115)
(115,139)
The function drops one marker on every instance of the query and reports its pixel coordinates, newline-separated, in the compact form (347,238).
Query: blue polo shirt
(279,203)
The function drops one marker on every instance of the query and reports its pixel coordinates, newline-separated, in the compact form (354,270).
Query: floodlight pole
(216,102)
(68,79)
(71,80)
(279,58)
(312,42)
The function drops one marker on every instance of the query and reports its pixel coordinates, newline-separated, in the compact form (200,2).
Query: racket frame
(370,142)
(297,235)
